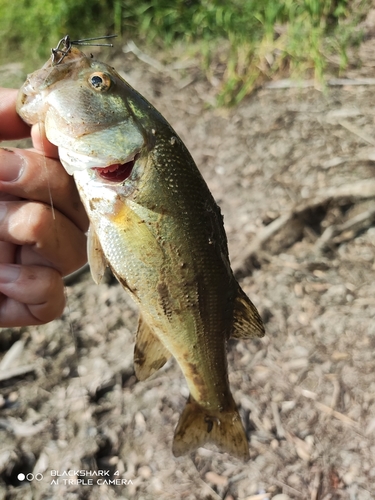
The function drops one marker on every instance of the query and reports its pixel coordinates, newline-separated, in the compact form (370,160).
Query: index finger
(11,125)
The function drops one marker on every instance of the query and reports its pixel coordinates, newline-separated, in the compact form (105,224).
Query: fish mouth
(117,172)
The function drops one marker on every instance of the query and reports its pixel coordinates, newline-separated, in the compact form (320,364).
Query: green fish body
(155,223)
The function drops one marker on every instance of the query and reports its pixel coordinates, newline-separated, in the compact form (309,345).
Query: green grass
(242,41)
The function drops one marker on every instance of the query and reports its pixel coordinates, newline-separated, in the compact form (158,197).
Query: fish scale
(158,228)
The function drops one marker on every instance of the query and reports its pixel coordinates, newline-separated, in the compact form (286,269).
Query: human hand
(40,241)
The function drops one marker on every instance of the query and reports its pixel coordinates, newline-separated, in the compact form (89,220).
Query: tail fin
(198,426)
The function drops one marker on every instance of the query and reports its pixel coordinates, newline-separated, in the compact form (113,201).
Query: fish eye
(100,81)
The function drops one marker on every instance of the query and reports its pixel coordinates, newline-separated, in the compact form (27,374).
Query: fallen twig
(22,429)
(327,409)
(209,490)
(336,234)
(357,190)
(348,192)
(316,485)
(131,47)
(339,416)
(288,83)
(336,391)
(259,496)
(357,131)
(16,372)
(238,477)
(288,488)
(276,417)
(13,353)
(303,449)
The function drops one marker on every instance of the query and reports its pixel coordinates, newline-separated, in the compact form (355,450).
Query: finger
(43,234)
(27,174)
(41,143)
(11,125)
(8,252)
(32,295)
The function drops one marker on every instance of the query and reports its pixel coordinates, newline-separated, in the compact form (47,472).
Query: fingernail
(11,165)
(9,273)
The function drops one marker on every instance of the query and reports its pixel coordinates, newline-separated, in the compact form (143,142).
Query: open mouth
(117,172)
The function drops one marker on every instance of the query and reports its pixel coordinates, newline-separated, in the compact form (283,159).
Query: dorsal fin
(247,321)
(149,353)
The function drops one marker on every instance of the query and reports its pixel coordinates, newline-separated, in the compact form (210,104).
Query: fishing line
(83,390)
(59,53)
(69,315)
(46,172)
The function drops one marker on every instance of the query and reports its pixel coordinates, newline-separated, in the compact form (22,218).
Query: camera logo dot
(30,477)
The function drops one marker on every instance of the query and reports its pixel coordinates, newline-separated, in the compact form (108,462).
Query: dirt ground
(294,173)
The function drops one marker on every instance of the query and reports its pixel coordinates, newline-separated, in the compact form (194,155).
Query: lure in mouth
(117,172)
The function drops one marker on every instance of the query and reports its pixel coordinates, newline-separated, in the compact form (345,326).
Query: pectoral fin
(149,353)
(95,255)
(247,321)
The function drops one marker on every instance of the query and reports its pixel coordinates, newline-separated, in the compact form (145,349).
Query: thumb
(41,143)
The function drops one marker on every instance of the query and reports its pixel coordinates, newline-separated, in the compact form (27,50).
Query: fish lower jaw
(75,162)
(117,171)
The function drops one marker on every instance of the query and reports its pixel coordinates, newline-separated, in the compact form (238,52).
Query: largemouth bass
(155,223)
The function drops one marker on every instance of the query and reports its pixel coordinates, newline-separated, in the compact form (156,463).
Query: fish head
(89,112)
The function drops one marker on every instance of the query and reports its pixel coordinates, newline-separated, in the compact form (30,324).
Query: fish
(156,225)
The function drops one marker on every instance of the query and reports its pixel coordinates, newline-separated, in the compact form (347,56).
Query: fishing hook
(65,45)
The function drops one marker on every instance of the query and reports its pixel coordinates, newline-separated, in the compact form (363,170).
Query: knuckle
(55,298)
(35,221)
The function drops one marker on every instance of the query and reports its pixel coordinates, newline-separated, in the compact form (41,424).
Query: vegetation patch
(243,42)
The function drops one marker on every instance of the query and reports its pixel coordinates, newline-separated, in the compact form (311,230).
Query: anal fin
(198,426)
(247,322)
(95,255)
(149,353)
